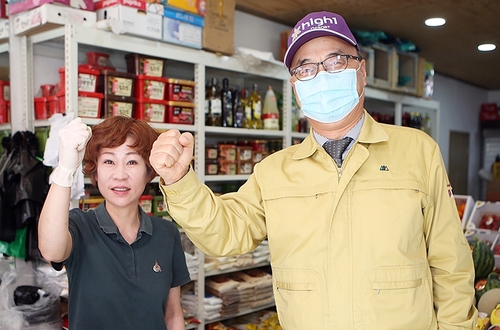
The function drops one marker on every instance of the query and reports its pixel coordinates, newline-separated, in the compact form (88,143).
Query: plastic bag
(43,314)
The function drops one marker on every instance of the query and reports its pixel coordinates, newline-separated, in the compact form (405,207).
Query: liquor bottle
(238,111)
(270,112)
(256,101)
(247,108)
(227,104)
(213,103)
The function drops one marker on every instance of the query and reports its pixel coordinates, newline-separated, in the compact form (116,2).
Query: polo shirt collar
(109,227)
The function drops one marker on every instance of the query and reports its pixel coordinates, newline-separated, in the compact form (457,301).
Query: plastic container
(115,83)
(5,90)
(149,87)
(53,104)
(227,152)
(151,110)
(4,111)
(211,167)
(98,59)
(87,79)
(89,104)
(41,108)
(180,90)
(145,65)
(159,207)
(228,167)
(146,202)
(117,105)
(180,113)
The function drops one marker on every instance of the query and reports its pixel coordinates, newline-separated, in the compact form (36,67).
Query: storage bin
(4,111)
(151,110)
(145,65)
(180,113)
(41,108)
(87,79)
(89,104)
(150,87)
(115,83)
(180,90)
(118,105)
(98,59)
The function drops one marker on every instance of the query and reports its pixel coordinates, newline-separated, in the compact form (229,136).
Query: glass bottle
(213,104)
(226,104)
(238,111)
(247,108)
(270,112)
(256,101)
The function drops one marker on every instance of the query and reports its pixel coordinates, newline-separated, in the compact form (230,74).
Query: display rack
(72,41)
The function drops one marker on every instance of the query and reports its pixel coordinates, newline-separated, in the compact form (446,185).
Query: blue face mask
(329,97)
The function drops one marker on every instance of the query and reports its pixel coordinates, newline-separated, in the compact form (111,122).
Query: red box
(151,110)
(53,103)
(146,65)
(89,104)
(5,90)
(4,111)
(87,79)
(180,90)
(180,113)
(149,87)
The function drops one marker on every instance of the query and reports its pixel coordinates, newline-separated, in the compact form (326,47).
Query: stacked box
(182,28)
(17,6)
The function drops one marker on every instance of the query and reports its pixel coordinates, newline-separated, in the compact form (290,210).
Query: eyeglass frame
(347,57)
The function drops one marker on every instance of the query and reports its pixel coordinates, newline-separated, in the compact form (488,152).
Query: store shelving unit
(70,42)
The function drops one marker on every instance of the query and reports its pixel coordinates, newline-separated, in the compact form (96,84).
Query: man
(373,242)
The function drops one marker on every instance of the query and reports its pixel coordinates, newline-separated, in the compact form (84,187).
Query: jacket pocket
(299,299)
(398,297)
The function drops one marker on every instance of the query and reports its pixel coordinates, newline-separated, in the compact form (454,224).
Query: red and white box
(146,6)
(148,87)
(121,19)
(17,6)
(49,16)
(151,110)
(4,29)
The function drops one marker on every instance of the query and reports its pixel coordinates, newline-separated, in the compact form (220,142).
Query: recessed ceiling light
(486,47)
(436,21)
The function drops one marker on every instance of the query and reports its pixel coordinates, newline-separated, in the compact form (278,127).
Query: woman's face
(121,175)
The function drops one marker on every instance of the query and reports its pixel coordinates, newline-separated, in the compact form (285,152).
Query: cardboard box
(218,33)
(17,6)
(182,28)
(4,30)
(404,72)
(465,204)
(50,16)
(123,19)
(147,6)
(193,6)
(476,225)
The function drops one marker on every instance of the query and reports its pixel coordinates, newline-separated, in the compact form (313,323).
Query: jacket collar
(371,132)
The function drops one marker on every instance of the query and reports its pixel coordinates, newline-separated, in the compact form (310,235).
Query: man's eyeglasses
(333,64)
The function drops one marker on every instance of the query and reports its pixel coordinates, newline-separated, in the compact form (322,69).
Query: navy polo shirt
(116,285)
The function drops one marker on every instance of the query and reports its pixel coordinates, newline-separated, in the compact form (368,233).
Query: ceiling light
(436,21)
(486,47)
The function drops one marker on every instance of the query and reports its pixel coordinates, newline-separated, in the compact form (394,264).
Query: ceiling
(452,48)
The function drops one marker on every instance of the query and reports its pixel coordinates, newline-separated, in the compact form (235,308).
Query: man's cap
(317,24)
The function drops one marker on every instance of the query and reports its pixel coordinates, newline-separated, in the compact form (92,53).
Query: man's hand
(171,155)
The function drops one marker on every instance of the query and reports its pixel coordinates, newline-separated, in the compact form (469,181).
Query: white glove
(72,141)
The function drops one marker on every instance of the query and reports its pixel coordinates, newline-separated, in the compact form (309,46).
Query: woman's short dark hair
(113,132)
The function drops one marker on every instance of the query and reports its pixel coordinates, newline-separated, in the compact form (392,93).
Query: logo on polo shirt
(157,267)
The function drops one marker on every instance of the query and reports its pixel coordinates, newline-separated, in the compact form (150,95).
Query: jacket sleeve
(225,225)
(449,255)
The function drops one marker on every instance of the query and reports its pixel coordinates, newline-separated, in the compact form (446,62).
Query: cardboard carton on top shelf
(50,16)
(218,33)
(17,6)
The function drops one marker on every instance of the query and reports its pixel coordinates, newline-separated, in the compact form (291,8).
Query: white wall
(459,102)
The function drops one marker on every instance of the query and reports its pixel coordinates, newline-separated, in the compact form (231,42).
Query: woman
(124,268)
